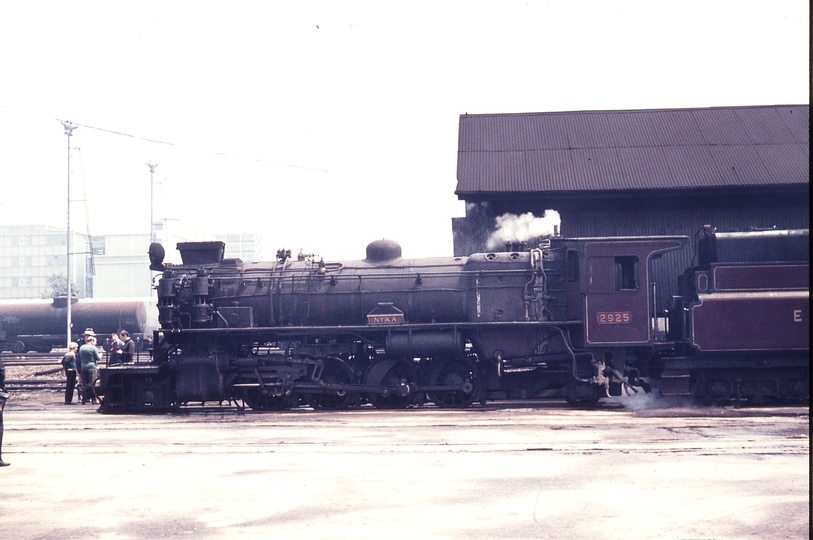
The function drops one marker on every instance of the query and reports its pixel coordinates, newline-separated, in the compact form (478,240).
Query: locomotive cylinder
(421,344)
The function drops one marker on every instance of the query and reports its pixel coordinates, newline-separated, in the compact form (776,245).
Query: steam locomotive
(572,318)
(40,325)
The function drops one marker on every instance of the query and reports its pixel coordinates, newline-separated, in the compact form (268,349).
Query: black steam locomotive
(573,318)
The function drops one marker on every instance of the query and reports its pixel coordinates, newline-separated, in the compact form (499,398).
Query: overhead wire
(412,182)
(215,152)
(168,143)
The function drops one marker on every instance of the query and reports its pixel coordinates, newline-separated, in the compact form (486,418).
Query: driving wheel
(259,400)
(334,371)
(460,373)
(396,377)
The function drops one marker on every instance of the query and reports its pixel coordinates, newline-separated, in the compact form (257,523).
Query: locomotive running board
(289,330)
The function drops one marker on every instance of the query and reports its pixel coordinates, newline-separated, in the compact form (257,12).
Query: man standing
(3,397)
(69,365)
(125,346)
(89,356)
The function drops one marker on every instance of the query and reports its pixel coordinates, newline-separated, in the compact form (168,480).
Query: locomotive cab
(616,288)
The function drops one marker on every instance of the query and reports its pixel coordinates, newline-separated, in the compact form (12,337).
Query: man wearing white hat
(89,355)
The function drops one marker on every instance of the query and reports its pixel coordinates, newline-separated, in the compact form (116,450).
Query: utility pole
(152,167)
(69,132)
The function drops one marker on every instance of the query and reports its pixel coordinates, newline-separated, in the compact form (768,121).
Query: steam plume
(514,228)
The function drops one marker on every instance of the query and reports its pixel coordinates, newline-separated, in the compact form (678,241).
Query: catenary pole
(152,167)
(69,132)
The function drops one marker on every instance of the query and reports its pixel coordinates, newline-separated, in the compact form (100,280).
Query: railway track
(34,372)
(31,359)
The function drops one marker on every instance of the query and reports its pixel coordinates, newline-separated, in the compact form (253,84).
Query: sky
(324,125)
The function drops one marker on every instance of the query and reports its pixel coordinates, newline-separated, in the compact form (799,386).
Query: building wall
(245,246)
(32,254)
(671,215)
(674,214)
(122,266)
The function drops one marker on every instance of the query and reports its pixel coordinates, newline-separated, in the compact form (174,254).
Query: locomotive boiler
(572,318)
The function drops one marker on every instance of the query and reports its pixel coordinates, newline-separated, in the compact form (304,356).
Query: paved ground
(507,471)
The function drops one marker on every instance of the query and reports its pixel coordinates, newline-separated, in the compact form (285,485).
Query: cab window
(572,265)
(625,272)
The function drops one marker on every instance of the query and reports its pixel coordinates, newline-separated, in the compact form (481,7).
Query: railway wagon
(40,325)
(574,319)
(741,324)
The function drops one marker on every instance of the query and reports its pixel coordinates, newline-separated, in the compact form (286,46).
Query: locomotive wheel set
(574,318)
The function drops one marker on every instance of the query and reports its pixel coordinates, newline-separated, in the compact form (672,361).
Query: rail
(28,385)
(52,361)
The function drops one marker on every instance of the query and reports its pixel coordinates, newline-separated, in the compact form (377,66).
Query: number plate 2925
(614,317)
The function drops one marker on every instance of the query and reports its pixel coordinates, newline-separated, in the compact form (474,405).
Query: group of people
(80,363)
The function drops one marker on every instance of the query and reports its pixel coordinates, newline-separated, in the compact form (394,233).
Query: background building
(122,266)
(245,246)
(646,172)
(31,255)
(111,266)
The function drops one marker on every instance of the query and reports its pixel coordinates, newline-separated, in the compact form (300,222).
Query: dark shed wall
(636,173)
(668,215)
(664,217)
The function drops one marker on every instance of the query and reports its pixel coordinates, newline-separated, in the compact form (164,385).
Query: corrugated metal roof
(633,150)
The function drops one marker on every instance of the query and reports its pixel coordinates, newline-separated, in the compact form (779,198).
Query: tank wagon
(40,325)
(573,318)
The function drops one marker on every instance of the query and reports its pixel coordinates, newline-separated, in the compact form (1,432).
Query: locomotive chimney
(194,253)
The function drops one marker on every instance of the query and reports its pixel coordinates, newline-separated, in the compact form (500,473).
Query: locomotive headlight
(156,253)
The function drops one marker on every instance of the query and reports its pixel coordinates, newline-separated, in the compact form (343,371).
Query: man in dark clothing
(123,348)
(3,396)
(69,365)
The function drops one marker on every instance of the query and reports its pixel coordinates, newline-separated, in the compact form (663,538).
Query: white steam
(513,228)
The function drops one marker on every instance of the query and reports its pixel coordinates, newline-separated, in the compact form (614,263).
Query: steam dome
(383,250)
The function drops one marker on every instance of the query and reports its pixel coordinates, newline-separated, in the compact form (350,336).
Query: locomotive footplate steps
(136,389)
